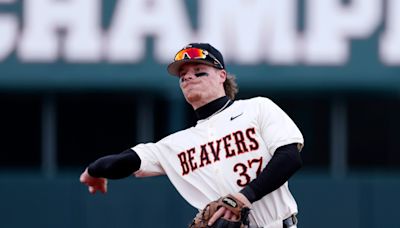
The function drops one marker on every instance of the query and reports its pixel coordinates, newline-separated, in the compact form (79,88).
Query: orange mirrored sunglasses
(196,53)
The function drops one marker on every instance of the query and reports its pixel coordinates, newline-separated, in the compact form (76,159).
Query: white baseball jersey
(223,153)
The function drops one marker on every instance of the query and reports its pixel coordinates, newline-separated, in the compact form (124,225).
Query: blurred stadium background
(82,79)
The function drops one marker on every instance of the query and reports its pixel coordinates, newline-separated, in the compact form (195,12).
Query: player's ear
(222,75)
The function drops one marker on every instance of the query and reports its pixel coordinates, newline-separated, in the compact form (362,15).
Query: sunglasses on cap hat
(191,53)
(196,53)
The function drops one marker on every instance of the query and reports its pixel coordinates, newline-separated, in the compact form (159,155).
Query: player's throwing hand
(94,183)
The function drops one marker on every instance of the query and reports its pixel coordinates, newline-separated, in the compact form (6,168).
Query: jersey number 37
(242,169)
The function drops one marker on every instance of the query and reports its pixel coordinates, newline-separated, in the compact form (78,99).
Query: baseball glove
(231,203)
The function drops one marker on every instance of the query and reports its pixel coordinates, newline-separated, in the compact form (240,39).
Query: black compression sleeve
(115,166)
(283,164)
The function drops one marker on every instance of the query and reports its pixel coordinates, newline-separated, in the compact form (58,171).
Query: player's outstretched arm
(114,166)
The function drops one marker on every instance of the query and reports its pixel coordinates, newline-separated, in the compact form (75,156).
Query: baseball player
(246,149)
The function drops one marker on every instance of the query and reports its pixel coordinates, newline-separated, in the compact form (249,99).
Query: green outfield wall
(30,201)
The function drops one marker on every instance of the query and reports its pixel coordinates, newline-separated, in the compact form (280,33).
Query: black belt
(291,221)
(288,222)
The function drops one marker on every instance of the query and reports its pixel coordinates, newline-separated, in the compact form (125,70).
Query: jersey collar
(214,106)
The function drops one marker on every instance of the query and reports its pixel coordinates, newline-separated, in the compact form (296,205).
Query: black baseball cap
(197,52)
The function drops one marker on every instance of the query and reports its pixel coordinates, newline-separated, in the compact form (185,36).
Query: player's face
(201,83)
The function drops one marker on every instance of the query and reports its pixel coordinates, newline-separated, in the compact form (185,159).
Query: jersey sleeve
(276,127)
(149,156)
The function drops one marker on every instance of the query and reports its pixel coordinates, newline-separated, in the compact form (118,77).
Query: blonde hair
(230,86)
